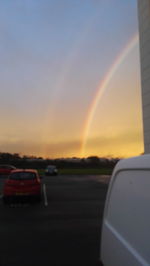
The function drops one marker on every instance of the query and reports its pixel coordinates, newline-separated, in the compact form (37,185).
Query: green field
(81,171)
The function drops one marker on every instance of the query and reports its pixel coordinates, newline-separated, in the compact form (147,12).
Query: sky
(70,78)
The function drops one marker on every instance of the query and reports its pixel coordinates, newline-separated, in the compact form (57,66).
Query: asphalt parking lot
(64,229)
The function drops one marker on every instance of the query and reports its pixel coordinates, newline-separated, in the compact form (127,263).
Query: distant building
(144,32)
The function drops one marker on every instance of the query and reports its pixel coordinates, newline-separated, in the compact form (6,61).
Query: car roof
(139,162)
(24,170)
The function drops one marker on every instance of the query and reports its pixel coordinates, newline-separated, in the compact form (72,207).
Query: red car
(6,169)
(23,185)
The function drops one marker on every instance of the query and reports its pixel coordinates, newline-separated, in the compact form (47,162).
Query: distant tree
(94,160)
(16,156)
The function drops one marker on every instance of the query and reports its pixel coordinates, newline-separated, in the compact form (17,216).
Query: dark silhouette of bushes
(41,163)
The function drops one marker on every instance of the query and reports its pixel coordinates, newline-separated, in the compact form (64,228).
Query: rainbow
(103,86)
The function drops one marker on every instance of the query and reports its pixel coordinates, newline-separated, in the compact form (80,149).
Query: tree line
(26,161)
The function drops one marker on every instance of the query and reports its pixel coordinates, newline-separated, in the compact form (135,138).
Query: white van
(125,239)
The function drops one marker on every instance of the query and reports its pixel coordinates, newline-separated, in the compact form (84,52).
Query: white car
(125,237)
(51,170)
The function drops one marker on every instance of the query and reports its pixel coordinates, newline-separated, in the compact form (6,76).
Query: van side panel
(126,224)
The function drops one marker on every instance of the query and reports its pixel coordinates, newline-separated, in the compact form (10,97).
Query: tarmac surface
(64,229)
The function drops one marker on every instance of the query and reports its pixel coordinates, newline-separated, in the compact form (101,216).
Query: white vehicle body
(125,237)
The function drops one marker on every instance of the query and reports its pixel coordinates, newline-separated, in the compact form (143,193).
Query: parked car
(51,170)
(125,237)
(6,169)
(23,185)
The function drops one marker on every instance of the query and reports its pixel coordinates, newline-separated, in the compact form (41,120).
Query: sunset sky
(70,78)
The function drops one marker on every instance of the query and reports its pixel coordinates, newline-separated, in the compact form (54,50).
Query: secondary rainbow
(103,86)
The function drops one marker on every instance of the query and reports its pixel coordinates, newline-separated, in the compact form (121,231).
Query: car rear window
(22,176)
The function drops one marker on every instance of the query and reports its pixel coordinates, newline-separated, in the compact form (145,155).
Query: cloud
(121,138)
(123,144)
(53,150)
